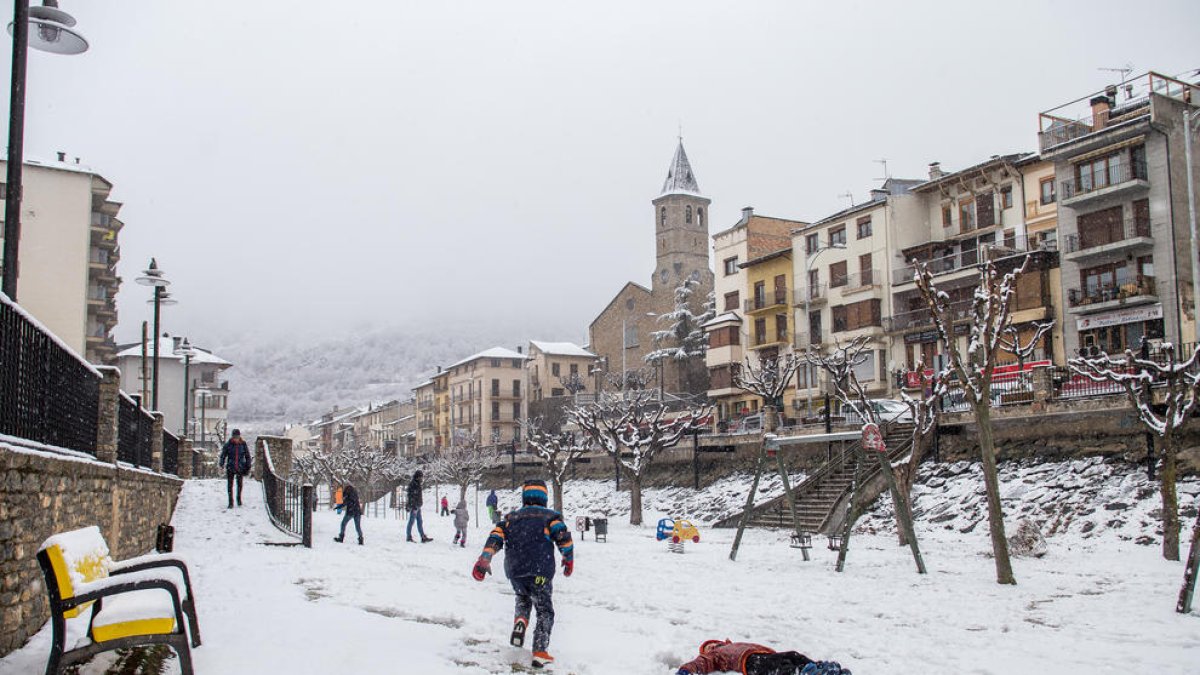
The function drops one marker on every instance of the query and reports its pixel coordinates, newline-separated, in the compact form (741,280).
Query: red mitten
(482,568)
(568,567)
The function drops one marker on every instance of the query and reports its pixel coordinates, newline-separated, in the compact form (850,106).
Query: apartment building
(552,366)
(375,427)
(844,264)
(426,436)
(962,219)
(485,396)
(752,237)
(1120,181)
(198,381)
(67,260)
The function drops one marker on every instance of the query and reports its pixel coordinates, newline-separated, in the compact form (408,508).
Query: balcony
(425,425)
(857,281)
(425,405)
(1129,234)
(1137,291)
(505,395)
(970,258)
(921,319)
(1118,179)
(775,339)
(814,295)
(767,301)
(802,340)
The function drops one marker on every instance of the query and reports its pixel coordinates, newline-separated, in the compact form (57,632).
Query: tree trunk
(770,419)
(558,492)
(635,498)
(1170,502)
(905,479)
(987,450)
(462,492)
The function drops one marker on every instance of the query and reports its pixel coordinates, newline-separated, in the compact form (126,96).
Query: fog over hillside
(278,382)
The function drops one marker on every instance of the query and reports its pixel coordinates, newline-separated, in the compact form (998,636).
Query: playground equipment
(678,531)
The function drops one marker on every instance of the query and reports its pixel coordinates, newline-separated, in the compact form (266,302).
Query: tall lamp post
(187,352)
(53,34)
(658,362)
(153,276)
(808,343)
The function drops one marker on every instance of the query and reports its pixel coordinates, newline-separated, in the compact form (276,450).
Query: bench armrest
(95,590)
(152,561)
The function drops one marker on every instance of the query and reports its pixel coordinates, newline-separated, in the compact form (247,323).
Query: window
(814,280)
(662,216)
(1047,190)
(1006,197)
(857,315)
(781,289)
(837,236)
(837,274)
(516,387)
(700,216)
(496,404)
(556,391)
(731,301)
(495,363)
(687,217)
(1100,227)
(781,332)
(516,410)
(760,295)
(724,337)
(555,369)
(985,210)
(812,242)
(731,266)
(574,368)
(631,337)
(966,214)
(495,387)
(947,211)
(865,273)
(760,331)
(864,227)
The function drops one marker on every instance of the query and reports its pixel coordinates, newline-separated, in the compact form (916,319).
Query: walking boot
(542,659)
(425,539)
(518,635)
(409,539)
(339,539)
(360,541)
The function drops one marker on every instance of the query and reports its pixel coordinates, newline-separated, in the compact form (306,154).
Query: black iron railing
(1113,174)
(1139,285)
(1117,232)
(170,452)
(289,504)
(47,393)
(135,427)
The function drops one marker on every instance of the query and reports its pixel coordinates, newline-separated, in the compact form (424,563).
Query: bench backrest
(76,557)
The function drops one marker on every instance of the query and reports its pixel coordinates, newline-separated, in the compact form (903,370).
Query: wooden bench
(140,601)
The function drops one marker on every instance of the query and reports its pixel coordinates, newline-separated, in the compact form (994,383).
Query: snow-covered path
(1091,606)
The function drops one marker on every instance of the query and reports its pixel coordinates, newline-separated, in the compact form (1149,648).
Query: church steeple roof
(680,179)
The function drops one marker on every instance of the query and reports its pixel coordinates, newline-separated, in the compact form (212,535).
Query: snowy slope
(1094,604)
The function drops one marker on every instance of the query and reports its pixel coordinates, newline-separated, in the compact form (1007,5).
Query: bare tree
(557,449)
(1178,383)
(989,324)
(924,412)
(840,366)
(369,468)
(634,429)
(573,383)
(463,463)
(768,379)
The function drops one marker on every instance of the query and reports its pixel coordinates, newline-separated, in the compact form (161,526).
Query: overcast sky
(297,165)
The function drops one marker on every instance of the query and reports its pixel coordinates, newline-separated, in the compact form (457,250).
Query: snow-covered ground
(1097,603)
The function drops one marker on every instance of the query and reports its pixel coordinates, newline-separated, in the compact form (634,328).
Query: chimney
(879,194)
(935,170)
(439,369)
(747,213)
(1101,106)
(62,156)
(519,348)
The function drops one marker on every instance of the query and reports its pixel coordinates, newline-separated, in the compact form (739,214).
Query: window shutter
(985,209)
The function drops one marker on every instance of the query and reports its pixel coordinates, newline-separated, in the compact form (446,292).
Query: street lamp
(658,362)
(53,35)
(186,350)
(812,257)
(154,277)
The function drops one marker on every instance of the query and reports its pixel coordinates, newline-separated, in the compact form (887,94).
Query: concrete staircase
(821,492)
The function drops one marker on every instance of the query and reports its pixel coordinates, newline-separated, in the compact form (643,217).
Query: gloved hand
(568,567)
(482,568)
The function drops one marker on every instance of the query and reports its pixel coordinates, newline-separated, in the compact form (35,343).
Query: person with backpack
(530,534)
(353,510)
(461,518)
(748,658)
(493,507)
(235,459)
(415,501)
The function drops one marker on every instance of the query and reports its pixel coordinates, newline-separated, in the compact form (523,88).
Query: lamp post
(53,35)
(658,362)
(187,352)
(153,276)
(808,343)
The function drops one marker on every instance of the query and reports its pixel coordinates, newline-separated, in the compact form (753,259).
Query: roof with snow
(722,318)
(493,353)
(680,179)
(561,349)
(201,355)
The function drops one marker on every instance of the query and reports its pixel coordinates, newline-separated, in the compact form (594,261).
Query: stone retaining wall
(42,493)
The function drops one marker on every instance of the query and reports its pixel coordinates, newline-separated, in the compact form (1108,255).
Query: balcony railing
(1130,228)
(1115,175)
(1141,285)
(853,282)
(425,405)
(779,297)
(812,294)
(802,340)
(920,318)
(776,337)
(1008,246)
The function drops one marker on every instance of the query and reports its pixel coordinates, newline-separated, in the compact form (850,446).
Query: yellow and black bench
(139,601)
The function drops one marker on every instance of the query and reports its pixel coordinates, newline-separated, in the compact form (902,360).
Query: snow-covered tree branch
(768,379)
(840,366)
(558,450)
(684,342)
(463,463)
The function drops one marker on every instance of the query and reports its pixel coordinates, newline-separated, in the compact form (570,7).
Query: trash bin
(164,538)
(601,527)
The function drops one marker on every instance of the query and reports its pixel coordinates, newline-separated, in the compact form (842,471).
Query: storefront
(1114,332)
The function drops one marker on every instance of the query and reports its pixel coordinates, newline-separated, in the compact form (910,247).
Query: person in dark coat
(719,656)
(414,507)
(353,510)
(235,459)
(531,534)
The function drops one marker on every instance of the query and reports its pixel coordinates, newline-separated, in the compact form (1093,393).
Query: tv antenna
(1125,71)
(848,195)
(883,162)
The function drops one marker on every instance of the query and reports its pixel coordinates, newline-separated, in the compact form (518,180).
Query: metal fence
(170,453)
(133,433)
(47,393)
(289,504)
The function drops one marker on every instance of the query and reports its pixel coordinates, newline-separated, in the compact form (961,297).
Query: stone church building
(622,333)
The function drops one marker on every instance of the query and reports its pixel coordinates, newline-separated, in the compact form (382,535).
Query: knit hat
(237,432)
(534,492)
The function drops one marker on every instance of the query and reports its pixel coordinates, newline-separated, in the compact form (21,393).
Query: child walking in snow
(461,517)
(529,565)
